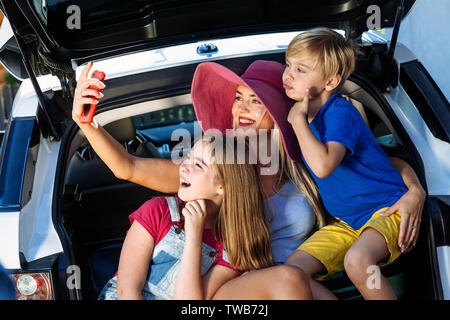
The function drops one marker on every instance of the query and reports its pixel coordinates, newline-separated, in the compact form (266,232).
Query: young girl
(223,231)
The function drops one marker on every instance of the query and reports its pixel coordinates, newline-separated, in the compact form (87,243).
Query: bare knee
(291,283)
(292,274)
(356,262)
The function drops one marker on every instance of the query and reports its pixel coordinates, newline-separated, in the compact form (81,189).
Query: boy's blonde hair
(335,55)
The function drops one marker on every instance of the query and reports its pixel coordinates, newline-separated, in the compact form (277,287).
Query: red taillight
(33,286)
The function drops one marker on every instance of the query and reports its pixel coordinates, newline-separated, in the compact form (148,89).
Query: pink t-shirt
(154,216)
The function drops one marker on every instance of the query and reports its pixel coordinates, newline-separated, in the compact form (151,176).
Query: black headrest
(122,130)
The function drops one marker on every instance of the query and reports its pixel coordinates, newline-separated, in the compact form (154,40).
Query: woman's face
(197,175)
(249,112)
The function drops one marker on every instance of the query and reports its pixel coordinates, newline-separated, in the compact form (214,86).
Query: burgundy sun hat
(214,89)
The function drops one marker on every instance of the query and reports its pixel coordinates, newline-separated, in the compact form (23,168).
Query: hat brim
(213,92)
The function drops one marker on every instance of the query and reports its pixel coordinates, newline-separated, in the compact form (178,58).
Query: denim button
(212,254)
(109,285)
(177,230)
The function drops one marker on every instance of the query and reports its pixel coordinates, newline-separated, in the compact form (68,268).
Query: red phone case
(87,116)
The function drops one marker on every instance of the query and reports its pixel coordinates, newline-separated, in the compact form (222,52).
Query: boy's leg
(361,261)
(322,255)
(311,266)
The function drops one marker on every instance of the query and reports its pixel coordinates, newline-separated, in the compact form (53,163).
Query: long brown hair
(241,224)
(300,176)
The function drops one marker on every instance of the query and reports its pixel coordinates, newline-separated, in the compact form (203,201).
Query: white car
(63,214)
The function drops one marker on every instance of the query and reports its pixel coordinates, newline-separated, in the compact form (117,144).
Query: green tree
(10,79)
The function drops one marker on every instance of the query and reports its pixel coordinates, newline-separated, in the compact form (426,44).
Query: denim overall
(165,263)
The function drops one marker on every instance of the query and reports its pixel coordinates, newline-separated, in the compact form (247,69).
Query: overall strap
(174,209)
(225,256)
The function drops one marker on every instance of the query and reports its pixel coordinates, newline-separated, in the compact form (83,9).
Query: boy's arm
(134,262)
(322,158)
(410,205)
(158,174)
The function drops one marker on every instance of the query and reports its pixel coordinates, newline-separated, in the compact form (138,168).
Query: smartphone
(89,110)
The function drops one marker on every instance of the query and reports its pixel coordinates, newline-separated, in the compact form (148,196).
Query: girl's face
(197,176)
(249,112)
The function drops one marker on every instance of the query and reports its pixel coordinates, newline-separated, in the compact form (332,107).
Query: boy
(355,177)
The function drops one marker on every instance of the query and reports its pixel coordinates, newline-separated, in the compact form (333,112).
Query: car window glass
(175,115)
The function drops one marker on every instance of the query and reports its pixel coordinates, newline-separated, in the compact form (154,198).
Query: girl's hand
(299,109)
(83,95)
(194,213)
(189,283)
(410,206)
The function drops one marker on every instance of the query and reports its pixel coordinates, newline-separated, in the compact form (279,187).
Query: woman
(256,101)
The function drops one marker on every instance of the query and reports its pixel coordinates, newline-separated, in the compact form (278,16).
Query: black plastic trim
(440,218)
(74,293)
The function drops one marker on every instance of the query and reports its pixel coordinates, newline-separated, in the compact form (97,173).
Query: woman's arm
(157,174)
(134,262)
(410,205)
(408,175)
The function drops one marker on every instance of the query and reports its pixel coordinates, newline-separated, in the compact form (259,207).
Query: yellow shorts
(330,244)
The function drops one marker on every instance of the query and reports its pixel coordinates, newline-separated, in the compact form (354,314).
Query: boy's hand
(194,213)
(410,206)
(83,95)
(299,109)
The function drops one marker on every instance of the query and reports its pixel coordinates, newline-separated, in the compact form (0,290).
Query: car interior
(96,204)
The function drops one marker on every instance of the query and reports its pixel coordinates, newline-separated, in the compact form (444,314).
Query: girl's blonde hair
(241,224)
(300,176)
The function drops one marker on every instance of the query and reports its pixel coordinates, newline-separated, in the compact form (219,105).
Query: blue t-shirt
(365,180)
(291,220)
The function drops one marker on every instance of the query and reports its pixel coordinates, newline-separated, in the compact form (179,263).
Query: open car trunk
(93,206)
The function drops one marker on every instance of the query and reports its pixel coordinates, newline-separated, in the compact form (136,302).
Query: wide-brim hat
(214,90)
